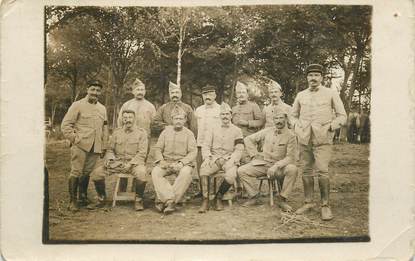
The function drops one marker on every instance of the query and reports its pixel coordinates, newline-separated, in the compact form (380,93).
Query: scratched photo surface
(151,101)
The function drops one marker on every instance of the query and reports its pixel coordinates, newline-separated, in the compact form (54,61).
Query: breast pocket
(86,119)
(131,147)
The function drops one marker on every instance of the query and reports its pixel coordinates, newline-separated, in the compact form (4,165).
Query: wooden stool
(219,174)
(273,185)
(122,196)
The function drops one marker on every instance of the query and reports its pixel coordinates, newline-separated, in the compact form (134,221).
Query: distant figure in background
(353,125)
(163,116)
(275,93)
(207,116)
(365,126)
(85,126)
(314,126)
(175,153)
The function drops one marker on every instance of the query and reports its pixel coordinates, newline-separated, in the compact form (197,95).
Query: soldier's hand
(163,164)
(220,161)
(271,172)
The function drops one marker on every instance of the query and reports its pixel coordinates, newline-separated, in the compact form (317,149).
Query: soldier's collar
(315,89)
(280,131)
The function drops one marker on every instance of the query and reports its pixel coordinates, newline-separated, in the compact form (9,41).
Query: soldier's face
(209,97)
(128,120)
(139,92)
(175,95)
(178,121)
(274,94)
(280,121)
(94,92)
(226,117)
(314,79)
(241,96)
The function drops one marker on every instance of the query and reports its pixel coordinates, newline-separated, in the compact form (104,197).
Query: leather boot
(283,205)
(205,206)
(308,184)
(73,183)
(139,192)
(171,207)
(83,190)
(324,184)
(224,187)
(102,195)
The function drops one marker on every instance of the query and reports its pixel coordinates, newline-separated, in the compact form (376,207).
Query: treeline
(194,46)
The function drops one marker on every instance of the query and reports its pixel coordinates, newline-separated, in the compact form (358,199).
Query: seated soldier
(126,152)
(276,160)
(221,150)
(175,153)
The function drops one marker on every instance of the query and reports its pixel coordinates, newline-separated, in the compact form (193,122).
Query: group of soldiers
(243,142)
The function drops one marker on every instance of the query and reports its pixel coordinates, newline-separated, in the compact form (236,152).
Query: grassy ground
(349,201)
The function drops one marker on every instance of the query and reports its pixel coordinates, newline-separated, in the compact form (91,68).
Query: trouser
(248,174)
(139,173)
(317,158)
(209,168)
(83,162)
(164,190)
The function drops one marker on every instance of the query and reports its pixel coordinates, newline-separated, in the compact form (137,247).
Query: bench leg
(271,194)
(114,198)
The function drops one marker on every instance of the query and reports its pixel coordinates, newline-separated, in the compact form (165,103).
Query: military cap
(177,110)
(241,86)
(224,107)
(94,83)
(273,85)
(208,88)
(137,83)
(315,68)
(173,86)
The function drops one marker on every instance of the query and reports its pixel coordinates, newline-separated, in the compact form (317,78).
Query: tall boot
(205,203)
(324,185)
(224,187)
(73,183)
(83,190)
(308,184)
(100,189)
(139,192)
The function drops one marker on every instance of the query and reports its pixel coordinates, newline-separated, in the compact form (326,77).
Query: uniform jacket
(83,125)
(144,113)
(175,146)
(276,147)
(128,146)
(223,142)
(207,117)
(314,112)
(163,117)
(269,113)
(250,112)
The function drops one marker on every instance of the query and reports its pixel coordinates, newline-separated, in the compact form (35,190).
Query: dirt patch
(349,201)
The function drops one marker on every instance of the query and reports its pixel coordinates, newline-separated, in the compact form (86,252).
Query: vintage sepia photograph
(207,124)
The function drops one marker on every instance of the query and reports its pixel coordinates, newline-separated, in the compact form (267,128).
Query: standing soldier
(163,116)
(126,153)
(314,125)
(175,153)
(275,93)
(85,125)
(222,150)
(277,160)
(207,117)
(143,109)
(246,114)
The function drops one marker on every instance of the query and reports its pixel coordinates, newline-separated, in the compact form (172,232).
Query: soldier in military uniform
(175,153)
(275,93)
(163,116)
(207,116)
(222,150)
(85,125)
(126,153)
(276,161)
(314,125)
